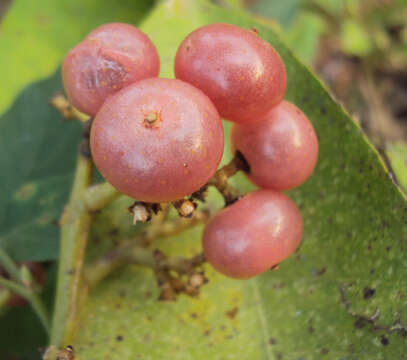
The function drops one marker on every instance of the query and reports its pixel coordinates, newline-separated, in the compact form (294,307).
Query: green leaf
(303,36)
(281,11)
(355,40)
(37,156)
(35,36)
(351,264)
(21,333)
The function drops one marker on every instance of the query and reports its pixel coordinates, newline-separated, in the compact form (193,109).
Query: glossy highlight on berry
(252,235)
(240,72)
(157,140)
(281,149)
(111,57)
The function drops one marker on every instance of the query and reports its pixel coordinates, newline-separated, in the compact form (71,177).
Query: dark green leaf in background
(21,333)
(37,159)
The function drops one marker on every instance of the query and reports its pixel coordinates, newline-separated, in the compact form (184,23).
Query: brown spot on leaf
(25,192)
(232,312)
(272,341)
(359,324)
(368,292)
(384,340)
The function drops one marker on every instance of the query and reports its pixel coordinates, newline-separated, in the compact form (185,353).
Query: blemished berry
(281,149)
(240,72)
(157,140)
(252,235)
(111,57)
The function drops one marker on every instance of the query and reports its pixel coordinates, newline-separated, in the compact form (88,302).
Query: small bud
(53,353)
(140,213)
(185,208)
(197,280)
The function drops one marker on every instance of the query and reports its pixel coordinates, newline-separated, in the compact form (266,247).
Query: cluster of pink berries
(159,140)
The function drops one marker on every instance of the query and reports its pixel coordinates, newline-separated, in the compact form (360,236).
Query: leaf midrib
(262,318)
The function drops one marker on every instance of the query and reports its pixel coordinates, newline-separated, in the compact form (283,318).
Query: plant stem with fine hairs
(75,226)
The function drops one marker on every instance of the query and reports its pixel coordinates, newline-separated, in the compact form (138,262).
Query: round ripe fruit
(281,149)
(240,72)
(157,140)
(253,234)
(110,58)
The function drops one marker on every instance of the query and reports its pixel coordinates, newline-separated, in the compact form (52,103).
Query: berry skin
(281,149)
(255,233)
(111,57)
(157,140)
(240,72)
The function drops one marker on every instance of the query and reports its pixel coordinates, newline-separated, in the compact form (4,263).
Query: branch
(34,300)
(75,227)
(22,287)
(100,195)
(130,252)
(220,180)
(11,268)
(69,112)
(169,271)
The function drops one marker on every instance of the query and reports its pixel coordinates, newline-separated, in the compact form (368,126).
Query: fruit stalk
(61,103)
(130,252)
(101,195)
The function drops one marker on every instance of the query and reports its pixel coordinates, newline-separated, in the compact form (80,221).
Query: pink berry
(240,72)
(157,140)
(253,234)
(281,149)
(111,57)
